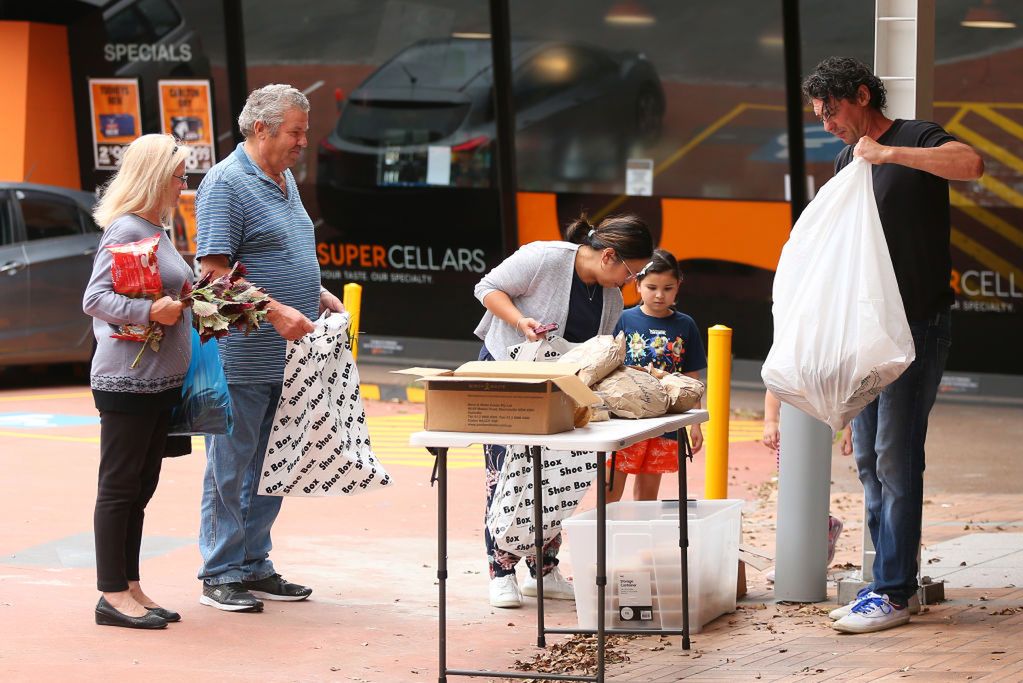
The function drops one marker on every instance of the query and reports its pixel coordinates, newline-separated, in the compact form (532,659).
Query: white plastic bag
(319,444)
(565,477)
(840,329)
(550,348)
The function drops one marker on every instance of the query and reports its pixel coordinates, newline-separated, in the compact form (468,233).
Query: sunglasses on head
(177,142)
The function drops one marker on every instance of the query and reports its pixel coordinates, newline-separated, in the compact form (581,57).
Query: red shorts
(653,456)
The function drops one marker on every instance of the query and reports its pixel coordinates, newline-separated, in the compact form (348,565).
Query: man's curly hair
(840,78)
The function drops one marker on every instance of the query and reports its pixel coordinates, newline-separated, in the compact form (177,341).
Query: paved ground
(372,563)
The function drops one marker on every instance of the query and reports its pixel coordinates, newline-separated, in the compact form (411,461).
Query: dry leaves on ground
(577,655)
(1009,610)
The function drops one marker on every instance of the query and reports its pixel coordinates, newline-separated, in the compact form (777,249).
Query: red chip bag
(134,270)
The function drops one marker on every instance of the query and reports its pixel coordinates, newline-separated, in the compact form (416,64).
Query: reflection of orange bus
(747,232)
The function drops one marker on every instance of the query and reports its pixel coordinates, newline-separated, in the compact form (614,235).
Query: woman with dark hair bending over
(575,284)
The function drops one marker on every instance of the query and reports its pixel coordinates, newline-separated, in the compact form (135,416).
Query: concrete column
(804,497)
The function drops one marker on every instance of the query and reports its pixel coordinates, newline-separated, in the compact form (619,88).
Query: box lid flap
(422,372)
(577,390)
(516,369)
(479,378)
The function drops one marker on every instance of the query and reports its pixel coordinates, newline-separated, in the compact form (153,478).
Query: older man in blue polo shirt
(248,210)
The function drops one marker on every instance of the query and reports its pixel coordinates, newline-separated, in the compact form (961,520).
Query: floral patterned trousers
(502,562)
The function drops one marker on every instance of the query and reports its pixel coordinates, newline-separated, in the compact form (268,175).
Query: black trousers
(131,453)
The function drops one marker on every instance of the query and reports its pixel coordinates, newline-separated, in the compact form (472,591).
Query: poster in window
(184,225)
(186,112)
(116,119)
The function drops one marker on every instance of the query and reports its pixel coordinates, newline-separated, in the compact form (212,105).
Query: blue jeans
(234,533)
(888,440)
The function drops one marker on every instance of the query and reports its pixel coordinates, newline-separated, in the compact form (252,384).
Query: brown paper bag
(632,393)
(684,392)
(598,357)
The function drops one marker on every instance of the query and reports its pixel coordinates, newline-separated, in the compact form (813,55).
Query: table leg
(683,529)
(601,561)
(442,557)
(537,457)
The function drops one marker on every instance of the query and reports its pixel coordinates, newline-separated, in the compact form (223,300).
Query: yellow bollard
(353,304)
(719,391)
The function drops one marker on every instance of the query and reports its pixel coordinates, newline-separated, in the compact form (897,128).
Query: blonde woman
(135,403)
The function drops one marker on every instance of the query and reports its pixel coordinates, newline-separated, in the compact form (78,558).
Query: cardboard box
(503,397)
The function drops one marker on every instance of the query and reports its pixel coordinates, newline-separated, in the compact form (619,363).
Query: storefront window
(978,98)
(148,41)
(600,83)
(672,111)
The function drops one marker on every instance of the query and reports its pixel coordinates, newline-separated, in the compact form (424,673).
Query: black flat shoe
(167,614)
(106,615)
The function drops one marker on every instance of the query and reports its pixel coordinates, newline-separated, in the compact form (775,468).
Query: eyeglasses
(632,276)
(182,178)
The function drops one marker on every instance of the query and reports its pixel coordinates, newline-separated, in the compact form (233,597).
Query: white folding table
(603,438)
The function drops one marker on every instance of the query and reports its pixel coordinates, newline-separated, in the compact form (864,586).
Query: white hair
(269,104)
(140,183)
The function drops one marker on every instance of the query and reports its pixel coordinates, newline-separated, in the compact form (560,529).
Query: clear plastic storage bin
(644,560)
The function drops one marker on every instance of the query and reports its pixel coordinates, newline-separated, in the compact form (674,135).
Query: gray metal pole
(804,496)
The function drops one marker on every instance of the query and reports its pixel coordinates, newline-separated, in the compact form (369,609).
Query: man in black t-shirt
(913,162)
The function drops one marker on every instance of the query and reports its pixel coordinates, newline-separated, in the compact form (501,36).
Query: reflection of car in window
(580,110)
(47,242)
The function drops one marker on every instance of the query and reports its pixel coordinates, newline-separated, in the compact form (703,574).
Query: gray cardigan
(538,278)
(158,370)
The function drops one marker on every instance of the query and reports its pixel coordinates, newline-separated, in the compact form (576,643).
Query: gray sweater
(159,370)
(538,278)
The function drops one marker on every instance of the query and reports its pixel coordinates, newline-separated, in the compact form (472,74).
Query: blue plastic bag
(205,406)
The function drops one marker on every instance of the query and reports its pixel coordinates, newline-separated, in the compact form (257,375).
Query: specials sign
(116,115)
(186,112)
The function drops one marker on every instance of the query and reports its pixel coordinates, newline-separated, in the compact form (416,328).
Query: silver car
(47,242)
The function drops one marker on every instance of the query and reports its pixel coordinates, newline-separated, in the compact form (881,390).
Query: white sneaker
(843,611)
(504,592)
(555,587)
(872,613)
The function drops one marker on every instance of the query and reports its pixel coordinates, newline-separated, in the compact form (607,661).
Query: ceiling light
(629,13)
(986,15)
